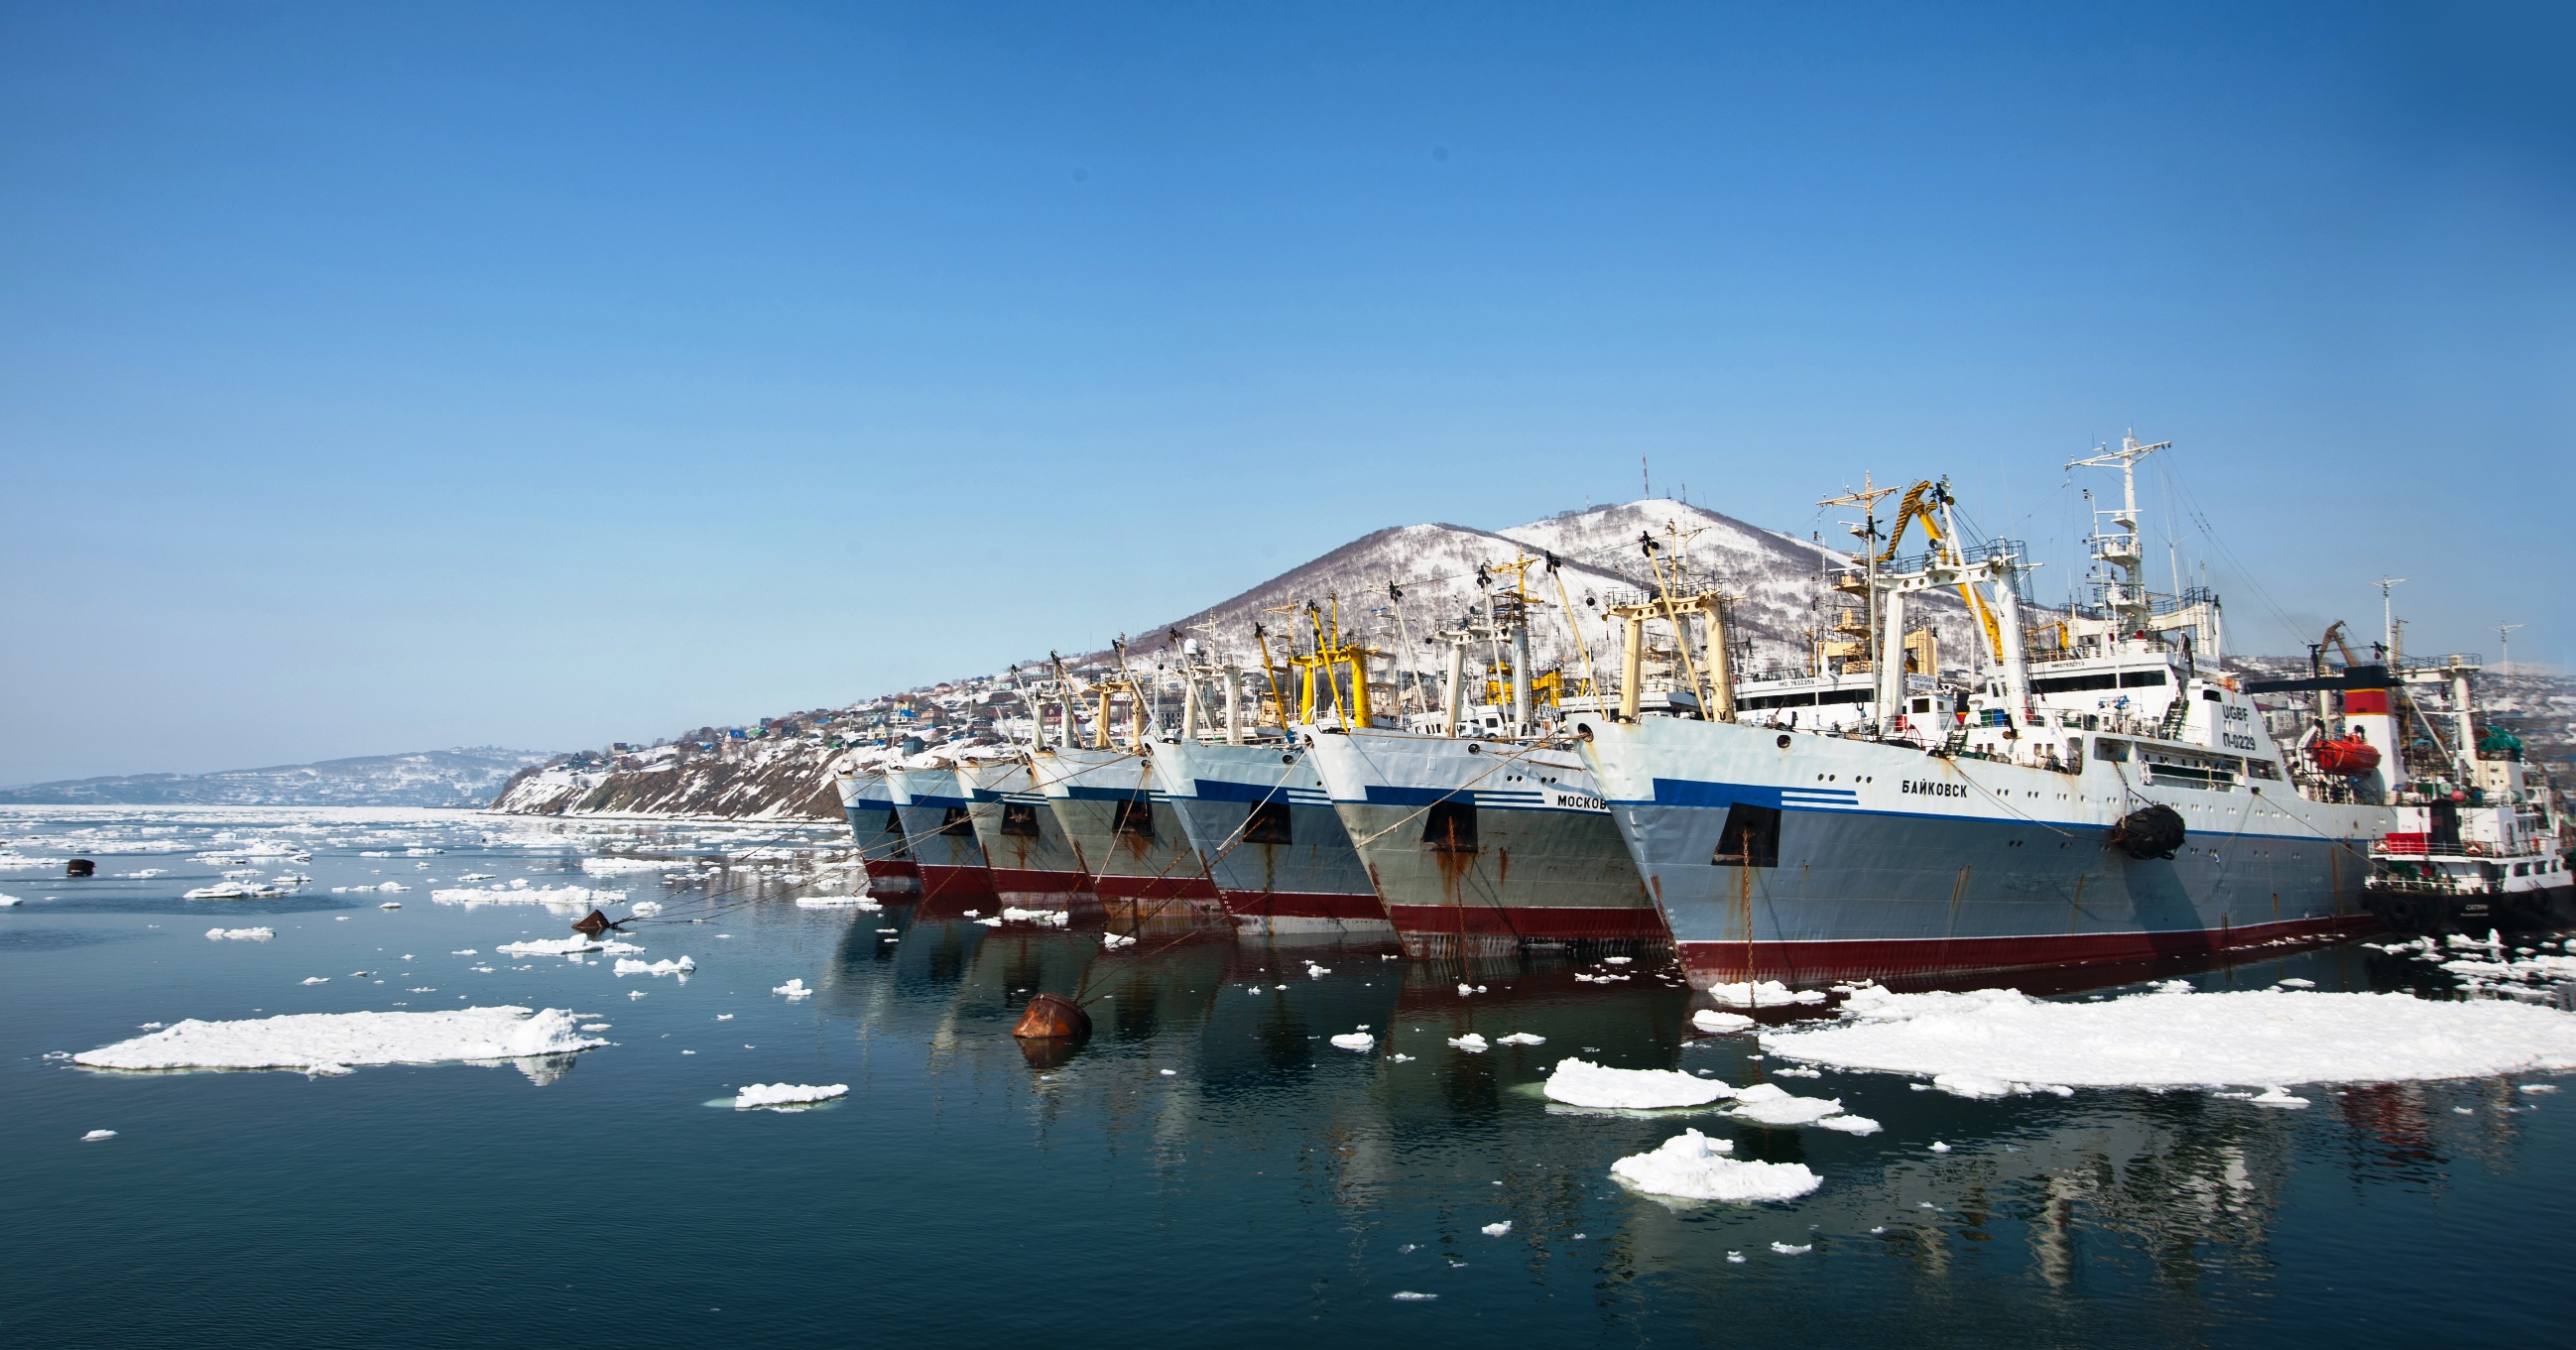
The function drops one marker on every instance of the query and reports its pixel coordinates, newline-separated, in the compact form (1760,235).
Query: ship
(1032,861)
(2478,841)
(2102,794)
(877,828)
(939,831)
(1255,810)
(1481,831)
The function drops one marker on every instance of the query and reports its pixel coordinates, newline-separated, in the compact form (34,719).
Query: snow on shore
(331,1042)
(1992,1041)
(1692,1166)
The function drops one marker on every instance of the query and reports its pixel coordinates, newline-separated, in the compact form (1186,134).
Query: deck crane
(1919,503)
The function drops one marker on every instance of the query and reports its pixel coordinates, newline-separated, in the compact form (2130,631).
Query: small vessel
(2478,841)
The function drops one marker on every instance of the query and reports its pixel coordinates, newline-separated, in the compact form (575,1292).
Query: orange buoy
(2349,757)
(1052,1015)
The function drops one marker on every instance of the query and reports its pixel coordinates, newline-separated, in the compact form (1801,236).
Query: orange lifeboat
(2349,757)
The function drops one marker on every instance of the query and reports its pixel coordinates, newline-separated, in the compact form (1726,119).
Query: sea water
(1207,1168)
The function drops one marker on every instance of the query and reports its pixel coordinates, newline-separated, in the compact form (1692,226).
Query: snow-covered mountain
(1779,579)
(459,777)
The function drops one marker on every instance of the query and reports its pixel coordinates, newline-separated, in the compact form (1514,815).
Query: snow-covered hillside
(460,777)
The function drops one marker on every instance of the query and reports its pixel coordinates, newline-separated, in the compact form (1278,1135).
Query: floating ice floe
(1113,941)
(1045,918)
(1497,1229)
(571,946)
(1692,1166)
(519,892)
(1786,1250)
(1771,1104)
(817,902)
(1355,1040)
(1316,972)
(1471,1043)
(10,901)
(785,1094)
(794,989)
(332,1042)
(95,1135)
(630,966)
(1710,1019)
(240,934)
(611,866)
(1974,1043)
(1520,1038)
(1578,1082)
(234,890)
(1762,994)
(2277,1096)
(317,979)
(645,909)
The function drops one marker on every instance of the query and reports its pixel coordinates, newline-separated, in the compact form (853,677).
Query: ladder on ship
(2171,727)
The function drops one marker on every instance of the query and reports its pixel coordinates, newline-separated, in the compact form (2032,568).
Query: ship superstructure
(2102,794)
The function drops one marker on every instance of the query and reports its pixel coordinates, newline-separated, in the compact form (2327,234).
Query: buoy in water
(592,925)
(80,867)
(1049,1016)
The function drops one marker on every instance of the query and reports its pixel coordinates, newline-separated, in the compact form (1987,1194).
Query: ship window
(1751,837)
(2262,768)
(2522,869)
(1135,820)
(1922,705)
(1020,820)
(1450,827)
(2106,748)
(2141,679)
(1268,824)
(2071,684)
(956,821)
(2212,696)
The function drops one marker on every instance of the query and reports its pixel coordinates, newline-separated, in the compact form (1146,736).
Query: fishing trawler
(1482,833)
(1256,811)
(2104,796)
(877,828)
(1032,861)
(1124,834)
(2478,841)
(939,832)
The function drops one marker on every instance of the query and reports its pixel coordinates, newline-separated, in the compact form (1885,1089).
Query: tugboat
(2478,840)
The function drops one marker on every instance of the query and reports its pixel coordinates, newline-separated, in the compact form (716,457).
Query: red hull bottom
(963,884)
(1153,888)
(1922,961)
(1434,931)
(893,878)
(1331,905)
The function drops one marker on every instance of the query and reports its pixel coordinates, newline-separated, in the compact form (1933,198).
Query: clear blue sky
(376,377)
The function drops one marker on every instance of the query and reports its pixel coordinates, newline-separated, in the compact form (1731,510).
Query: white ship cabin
(1835,704)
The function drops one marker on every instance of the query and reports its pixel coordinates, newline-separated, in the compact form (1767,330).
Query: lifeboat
(2348,757)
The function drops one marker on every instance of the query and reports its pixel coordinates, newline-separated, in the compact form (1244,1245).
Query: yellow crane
(1920,503)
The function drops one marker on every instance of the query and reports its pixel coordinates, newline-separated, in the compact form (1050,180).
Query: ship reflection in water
(2113,1216)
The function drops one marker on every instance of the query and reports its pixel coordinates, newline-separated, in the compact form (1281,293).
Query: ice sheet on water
(558,947)
(1692,1166)
(1355,1040)
(629,966)
(1471,1043)
(2172,1037)
(1770,1104)
(1710,1019)
(1762,994)
(1520,1038)
(794,989)
(1497,1229)
(95,1135)
(601,867)
(785,1094)
(521,893)
(240,934)
(328,1042)
(1577,1082)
